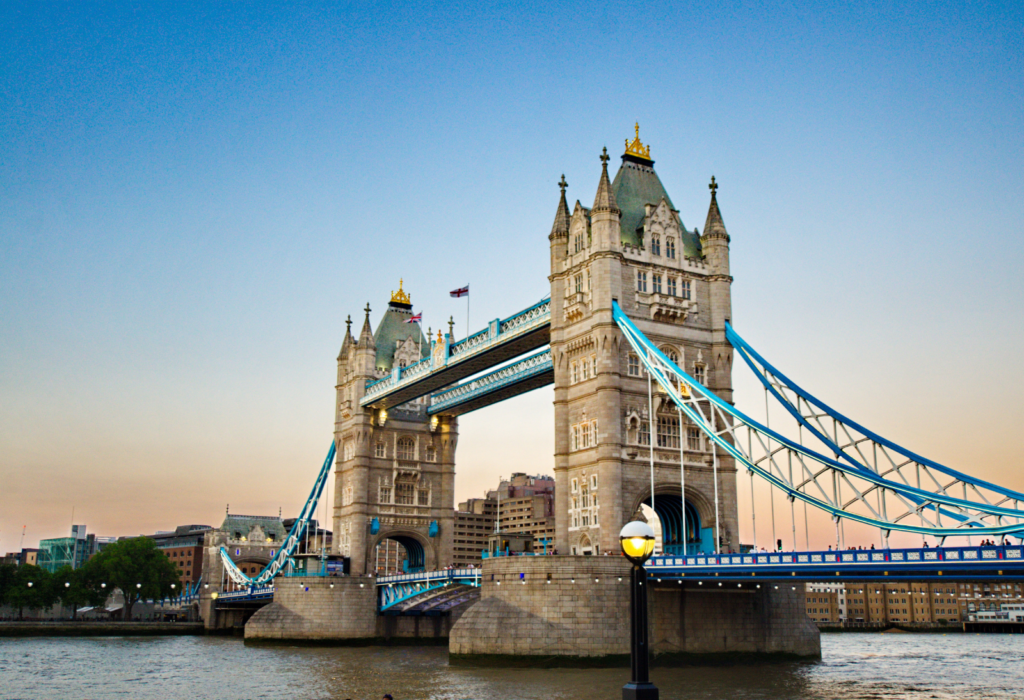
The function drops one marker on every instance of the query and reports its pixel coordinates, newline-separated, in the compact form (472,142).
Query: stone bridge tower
(631,246)
(395,469)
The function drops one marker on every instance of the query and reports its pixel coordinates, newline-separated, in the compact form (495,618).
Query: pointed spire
(714,226)
(605,199)
(561,225)
(347,342)
(366,335)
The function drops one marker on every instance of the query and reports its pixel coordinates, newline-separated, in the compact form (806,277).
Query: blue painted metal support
(720,422)
(291,541)
(519,377)
(251,594)
(394,590)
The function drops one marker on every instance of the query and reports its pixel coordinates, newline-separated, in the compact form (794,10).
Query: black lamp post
(637,541)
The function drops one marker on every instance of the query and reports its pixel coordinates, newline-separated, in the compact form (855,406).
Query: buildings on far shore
(522,504)
(918,603)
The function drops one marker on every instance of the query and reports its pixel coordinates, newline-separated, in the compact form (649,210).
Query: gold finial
(439,340)
(636,148)
(400,296)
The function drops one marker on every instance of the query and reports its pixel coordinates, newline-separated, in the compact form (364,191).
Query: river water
(855,665)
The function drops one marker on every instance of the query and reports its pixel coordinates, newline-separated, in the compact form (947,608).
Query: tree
(77,587)
(32,589)
(136,567)
(8,572)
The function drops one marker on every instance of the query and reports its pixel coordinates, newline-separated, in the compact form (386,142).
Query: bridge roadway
(501,341)
(948,563)
(433,592)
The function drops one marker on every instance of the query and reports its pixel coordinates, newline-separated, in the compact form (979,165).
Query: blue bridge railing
(926,562)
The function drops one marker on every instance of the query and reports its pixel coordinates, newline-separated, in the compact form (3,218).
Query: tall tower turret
(395,470)
(715,245)
(633,248)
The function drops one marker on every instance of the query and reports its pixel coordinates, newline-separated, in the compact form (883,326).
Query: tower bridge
(637,339)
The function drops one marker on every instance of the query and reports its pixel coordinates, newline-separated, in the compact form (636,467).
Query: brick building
(474,523)
(184,547)
(913,603)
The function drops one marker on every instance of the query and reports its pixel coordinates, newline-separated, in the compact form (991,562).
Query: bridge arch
(669,507)
(419,550)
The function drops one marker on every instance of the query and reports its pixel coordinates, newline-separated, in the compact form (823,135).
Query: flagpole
(467,310)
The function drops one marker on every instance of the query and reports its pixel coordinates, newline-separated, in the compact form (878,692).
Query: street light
(637,542)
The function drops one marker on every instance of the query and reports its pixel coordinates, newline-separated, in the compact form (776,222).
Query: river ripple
(855,666)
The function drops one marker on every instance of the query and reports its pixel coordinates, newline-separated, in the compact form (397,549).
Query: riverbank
(99,629)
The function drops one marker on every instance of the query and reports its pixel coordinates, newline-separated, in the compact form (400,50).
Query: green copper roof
(244,523)
(635,185)
(393,328)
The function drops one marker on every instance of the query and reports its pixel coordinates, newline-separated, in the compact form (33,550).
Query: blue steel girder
(396,589)
(435,598)
(517,378)
(946,563)
(501,341)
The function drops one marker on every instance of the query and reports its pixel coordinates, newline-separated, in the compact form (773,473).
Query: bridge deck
(861,564)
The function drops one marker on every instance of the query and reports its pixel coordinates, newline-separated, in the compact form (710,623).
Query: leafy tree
(32,589)
(138,568)
(77,587)
(8,572)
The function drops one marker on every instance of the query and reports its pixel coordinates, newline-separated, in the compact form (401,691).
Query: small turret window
(685,286)
(655,245)
(431,453)
(699,372)
(633,365)
(578,280)
(671,286)
(657,284)
(378,449)
(670,248)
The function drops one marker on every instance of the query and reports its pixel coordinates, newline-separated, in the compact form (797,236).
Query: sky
(194,196)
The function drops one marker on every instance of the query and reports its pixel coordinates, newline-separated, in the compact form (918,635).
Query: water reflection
(913,666)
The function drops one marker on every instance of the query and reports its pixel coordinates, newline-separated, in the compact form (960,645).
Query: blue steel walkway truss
(450,362)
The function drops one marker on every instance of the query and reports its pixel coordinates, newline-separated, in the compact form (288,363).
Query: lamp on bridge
(637,542)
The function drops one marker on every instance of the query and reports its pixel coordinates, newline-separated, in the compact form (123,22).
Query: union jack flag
(460,292)
(415,319)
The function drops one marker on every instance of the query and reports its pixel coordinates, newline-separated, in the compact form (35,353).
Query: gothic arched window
(670,247)
(655,245)
(406,448)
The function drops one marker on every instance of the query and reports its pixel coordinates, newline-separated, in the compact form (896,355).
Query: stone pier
(341,610)
(567,610)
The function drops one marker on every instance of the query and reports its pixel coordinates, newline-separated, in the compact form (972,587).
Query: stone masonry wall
(730,619)
(587,617)
(309,608)
(584,612)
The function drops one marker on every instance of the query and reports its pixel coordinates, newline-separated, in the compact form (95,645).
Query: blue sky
(194,196)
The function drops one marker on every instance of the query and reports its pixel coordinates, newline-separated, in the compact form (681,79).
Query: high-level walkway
(450,362)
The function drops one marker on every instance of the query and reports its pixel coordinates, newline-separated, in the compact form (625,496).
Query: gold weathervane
(400,297)
(637,149)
